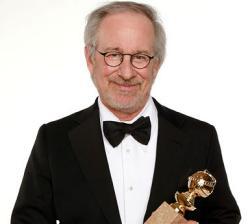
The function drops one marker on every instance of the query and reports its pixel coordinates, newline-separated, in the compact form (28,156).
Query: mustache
(127,82)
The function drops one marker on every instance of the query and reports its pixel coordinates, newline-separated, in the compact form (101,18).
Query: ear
(89,59)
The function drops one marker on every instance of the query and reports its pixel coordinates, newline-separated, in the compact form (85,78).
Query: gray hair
(95,18)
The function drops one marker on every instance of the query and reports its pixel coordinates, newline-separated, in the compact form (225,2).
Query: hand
(191,222)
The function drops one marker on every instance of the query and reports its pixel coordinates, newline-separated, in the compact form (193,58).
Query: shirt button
(127,150)
(131,188)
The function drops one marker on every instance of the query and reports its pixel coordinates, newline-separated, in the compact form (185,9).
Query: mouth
(126,87)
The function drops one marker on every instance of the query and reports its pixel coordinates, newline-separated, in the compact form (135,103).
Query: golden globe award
(200,184)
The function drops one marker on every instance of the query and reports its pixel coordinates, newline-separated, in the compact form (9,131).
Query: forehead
(127,31)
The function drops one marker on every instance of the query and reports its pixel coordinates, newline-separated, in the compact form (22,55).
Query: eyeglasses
(114,59)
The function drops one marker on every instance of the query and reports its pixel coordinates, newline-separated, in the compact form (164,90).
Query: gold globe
(202,183)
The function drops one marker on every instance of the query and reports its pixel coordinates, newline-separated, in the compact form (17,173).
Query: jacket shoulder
(182,121)
(72,120)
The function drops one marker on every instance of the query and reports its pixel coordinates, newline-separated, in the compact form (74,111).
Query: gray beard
(131,107)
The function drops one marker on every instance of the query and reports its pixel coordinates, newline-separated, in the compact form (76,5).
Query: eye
(113,55)
(140,57)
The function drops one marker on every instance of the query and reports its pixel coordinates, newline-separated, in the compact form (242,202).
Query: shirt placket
(129,183)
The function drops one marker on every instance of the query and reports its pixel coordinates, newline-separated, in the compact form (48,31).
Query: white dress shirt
(131,165)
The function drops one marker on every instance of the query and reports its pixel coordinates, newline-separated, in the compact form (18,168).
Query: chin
(126,104)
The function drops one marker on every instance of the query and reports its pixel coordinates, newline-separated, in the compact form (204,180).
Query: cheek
(142,75)
(148,80)
(104,71)
(147,76)
(101,75)
(107,71)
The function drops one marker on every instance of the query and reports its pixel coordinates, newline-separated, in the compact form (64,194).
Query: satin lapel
(167,169)
(88,146)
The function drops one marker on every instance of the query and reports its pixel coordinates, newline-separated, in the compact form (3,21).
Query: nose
(126,69)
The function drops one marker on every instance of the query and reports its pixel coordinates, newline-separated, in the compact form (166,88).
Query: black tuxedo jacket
(67,176)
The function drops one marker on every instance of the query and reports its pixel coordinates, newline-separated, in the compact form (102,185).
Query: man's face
(123,88)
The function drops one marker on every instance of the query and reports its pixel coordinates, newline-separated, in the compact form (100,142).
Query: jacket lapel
(87,143)
(167,173)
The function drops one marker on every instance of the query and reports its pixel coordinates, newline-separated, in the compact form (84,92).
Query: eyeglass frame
(122,57)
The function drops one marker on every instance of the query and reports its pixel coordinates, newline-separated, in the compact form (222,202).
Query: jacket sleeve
(220,207)
(34,203)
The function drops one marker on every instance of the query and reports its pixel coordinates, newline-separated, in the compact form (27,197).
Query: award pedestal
(165,214)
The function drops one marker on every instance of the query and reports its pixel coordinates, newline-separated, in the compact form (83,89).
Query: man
(88,168)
